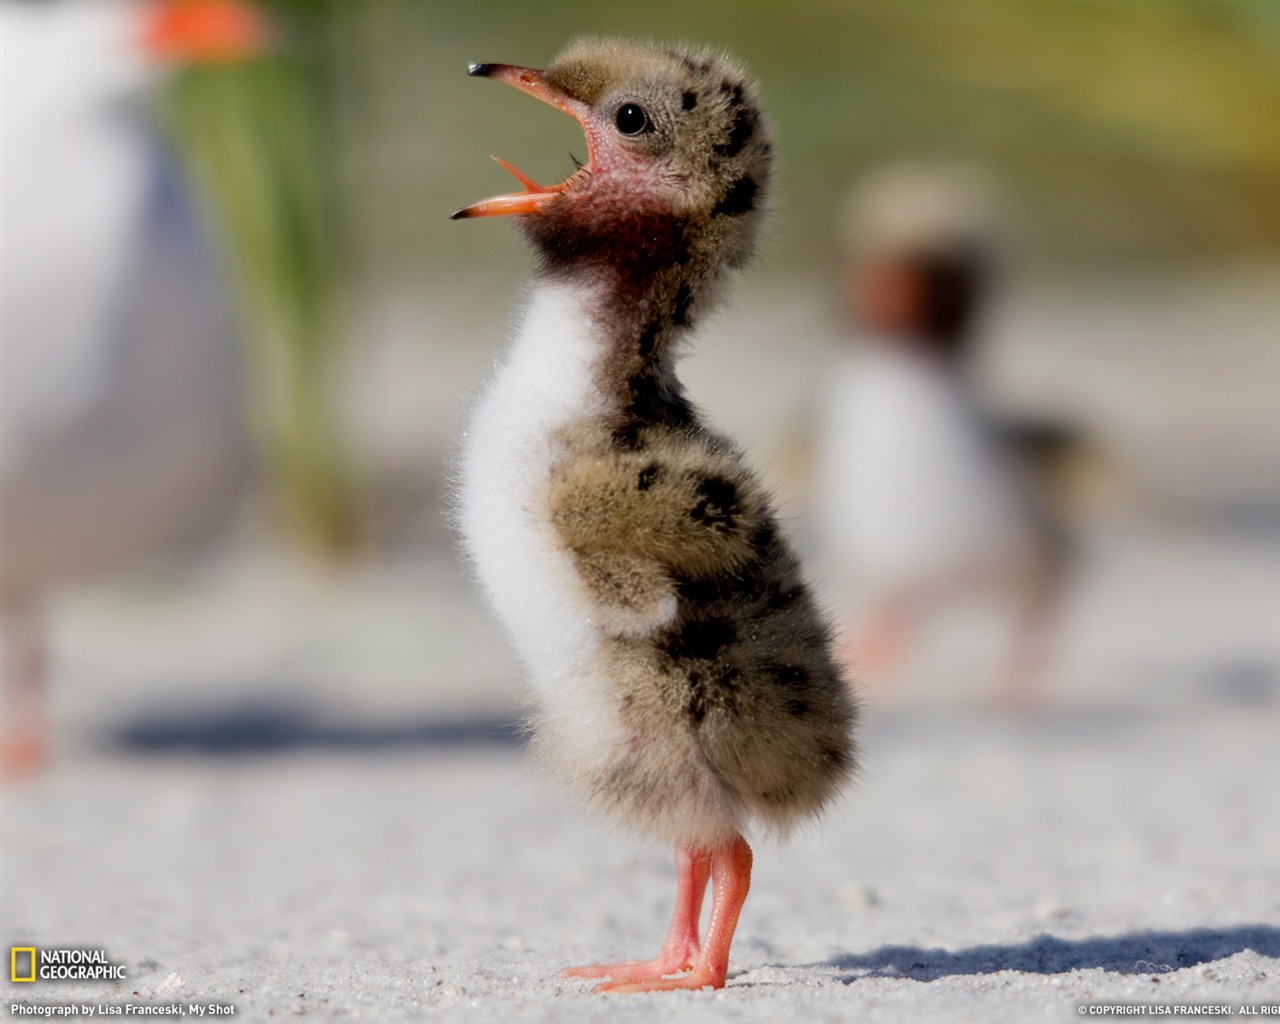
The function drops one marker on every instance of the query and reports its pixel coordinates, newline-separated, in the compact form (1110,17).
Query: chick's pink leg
(730,879)
(693,868)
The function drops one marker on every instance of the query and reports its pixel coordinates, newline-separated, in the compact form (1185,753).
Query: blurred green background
(1124,139)
(1122,131)
(1133,148)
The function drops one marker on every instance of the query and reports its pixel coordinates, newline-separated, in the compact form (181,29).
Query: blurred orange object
(205,31)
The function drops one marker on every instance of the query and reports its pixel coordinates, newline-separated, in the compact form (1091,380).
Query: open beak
(535,196)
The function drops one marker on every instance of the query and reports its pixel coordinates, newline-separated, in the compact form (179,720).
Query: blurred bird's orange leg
(23,744)
(1019,685)
(871,653)
(693,869)
(730,880)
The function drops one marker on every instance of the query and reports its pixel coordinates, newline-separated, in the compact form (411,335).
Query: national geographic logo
(26,963)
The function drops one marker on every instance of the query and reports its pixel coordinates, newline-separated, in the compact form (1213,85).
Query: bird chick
(922,497)
(684,677)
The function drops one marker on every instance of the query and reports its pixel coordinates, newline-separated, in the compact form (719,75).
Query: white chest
(542,383)
(911,486)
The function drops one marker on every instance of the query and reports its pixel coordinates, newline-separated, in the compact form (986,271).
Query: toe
(630,970)
(692,981)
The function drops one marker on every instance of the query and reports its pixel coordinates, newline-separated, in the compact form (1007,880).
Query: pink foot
(729,869)
(634,970)
(701,977)
(680,950)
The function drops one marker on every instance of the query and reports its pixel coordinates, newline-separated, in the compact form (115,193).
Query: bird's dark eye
(631,119)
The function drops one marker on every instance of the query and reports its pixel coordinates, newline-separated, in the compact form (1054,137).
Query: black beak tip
(459,215)
(481,70)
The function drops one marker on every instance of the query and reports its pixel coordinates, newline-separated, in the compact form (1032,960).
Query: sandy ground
(302,846)
(302,793)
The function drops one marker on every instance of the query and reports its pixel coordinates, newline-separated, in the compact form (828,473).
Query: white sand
(397,859)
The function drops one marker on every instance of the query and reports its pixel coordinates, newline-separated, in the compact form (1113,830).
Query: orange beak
(205,31)
(535,196)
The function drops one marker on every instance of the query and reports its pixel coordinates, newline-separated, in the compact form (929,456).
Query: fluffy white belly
(541,384)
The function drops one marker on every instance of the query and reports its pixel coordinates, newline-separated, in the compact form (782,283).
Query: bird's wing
(688,513)
(636,525)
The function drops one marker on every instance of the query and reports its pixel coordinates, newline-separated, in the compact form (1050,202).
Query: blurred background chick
(921,496)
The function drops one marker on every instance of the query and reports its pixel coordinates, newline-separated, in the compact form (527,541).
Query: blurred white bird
(120,413)
(919,498)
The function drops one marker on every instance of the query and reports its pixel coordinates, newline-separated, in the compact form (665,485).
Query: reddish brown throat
(535,197)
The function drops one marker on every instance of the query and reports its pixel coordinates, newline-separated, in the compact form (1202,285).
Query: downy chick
(684,675)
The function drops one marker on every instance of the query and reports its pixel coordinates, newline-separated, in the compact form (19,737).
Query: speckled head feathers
(679,159)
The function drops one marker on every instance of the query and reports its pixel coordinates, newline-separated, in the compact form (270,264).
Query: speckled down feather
(683,671)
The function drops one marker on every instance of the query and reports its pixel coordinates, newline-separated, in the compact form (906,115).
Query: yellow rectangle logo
(13,962)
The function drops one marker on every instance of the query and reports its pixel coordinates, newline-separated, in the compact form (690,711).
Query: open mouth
(534,197)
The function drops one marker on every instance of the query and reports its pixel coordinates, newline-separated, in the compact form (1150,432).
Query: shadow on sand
(285,727)
(1135,953)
